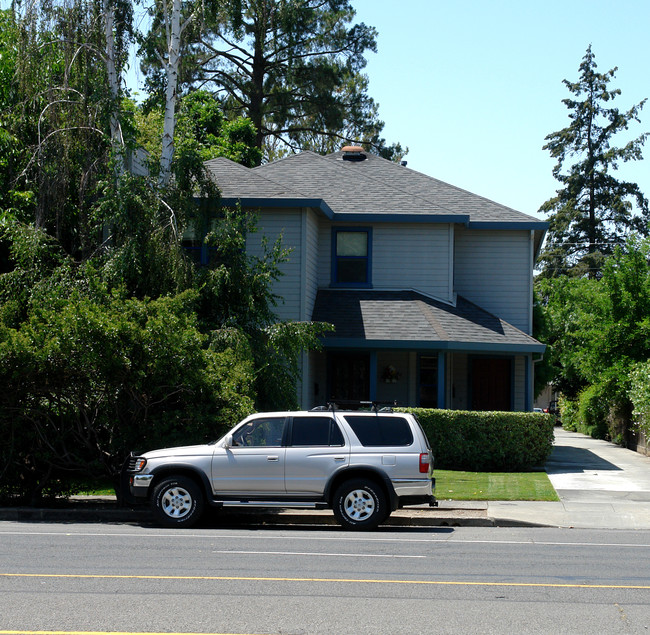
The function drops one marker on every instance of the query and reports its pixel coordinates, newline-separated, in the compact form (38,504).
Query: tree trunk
(173,30)
(256,107)
(117,140)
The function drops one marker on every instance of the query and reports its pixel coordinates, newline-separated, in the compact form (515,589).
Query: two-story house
(430,287)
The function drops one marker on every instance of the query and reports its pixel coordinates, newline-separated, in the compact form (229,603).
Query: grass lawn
(494,486)
(463,486)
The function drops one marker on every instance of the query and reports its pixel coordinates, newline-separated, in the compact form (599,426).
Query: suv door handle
(271,458)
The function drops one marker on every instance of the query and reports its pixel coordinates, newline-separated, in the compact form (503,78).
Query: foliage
(112,337)
(593,210)
(292,68)
(598,331)
(568,413)
(592,411)
(86,380)
(640,396)
(16,198)
(487,441)
(567,306)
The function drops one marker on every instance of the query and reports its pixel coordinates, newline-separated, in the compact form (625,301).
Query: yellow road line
(85,576)
(106,633)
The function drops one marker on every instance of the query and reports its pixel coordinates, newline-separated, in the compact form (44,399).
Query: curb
(111,513)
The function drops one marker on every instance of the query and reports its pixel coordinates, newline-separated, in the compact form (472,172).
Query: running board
(275,504)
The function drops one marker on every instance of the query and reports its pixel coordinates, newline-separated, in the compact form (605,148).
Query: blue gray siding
(406,256)
(493,270)
(289,225)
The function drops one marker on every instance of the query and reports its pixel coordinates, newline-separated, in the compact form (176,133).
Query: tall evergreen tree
(593,211)
(293,67)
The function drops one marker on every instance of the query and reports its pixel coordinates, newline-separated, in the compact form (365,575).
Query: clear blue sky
(472,87)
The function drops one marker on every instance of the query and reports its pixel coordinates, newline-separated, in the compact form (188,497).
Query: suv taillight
(424,463)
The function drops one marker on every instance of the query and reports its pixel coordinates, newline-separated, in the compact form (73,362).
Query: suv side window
(378,431)
(310,431)
(260,432)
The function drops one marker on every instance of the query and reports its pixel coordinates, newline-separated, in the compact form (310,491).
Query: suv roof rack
(356,404)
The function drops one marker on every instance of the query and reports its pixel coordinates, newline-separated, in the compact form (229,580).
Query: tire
(177,502)
(360,504)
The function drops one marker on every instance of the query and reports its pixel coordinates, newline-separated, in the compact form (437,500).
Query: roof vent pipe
(403,163)
(353,153)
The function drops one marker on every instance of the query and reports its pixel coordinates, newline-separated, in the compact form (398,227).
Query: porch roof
(376,319)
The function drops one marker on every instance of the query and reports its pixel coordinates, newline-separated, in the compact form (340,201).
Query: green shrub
(639,395)
(602,410)
(568,413)
(593,409)
(487,441)
(85,382)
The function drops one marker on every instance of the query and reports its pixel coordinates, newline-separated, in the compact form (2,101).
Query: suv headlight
(136,463)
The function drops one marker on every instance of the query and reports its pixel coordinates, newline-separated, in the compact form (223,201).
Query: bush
(639,395)
(85,382)
(593,409)
(569,413)
(602,410)
(487,441)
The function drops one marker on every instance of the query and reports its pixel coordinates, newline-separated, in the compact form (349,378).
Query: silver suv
(362,465)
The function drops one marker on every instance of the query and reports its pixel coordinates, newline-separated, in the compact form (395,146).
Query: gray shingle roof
(408,318)
(374,186)
(349,187)
(237,181)
(449,197)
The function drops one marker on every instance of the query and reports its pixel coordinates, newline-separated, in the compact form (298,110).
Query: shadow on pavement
(565,459)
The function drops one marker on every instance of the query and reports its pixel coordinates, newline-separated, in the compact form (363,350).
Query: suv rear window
(311,431)
(375,430)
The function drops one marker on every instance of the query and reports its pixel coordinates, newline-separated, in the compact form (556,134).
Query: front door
(491,384)
(254,463)
(349,376)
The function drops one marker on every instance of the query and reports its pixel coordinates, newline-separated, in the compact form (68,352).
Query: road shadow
(569,460)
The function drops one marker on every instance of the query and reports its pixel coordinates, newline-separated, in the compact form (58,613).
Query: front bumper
(134,485)
(139,484)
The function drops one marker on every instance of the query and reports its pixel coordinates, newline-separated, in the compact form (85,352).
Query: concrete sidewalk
(600,485)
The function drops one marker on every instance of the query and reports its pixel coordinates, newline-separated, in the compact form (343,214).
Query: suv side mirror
(227,443)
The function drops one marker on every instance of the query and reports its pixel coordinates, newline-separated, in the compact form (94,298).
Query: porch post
(373,375)
(530,383)
(442,379)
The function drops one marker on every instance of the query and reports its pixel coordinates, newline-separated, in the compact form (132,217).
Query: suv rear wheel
(360,504)
(177,502)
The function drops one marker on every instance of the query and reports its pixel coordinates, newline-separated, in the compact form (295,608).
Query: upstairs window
(351,257)
(194,242)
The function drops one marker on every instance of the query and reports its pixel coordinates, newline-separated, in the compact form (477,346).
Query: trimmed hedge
(487,441)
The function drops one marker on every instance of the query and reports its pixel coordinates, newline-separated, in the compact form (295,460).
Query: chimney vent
(353,153)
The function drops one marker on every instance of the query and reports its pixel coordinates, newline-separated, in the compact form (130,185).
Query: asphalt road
(73,578)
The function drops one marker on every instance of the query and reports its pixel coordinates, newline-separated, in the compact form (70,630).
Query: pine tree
(593,211)
(293,67)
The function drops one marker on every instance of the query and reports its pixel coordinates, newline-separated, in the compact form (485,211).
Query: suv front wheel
(360,504)
(177,502)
